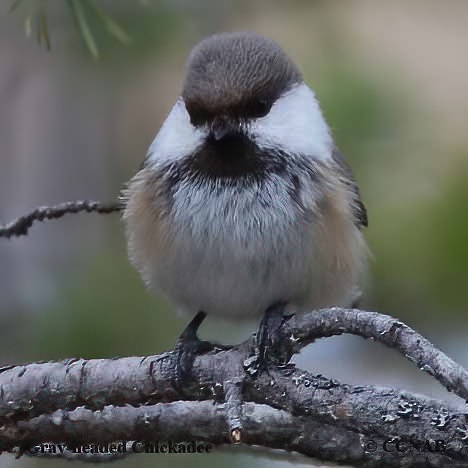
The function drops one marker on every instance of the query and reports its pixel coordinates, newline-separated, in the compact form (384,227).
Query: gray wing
(360,212)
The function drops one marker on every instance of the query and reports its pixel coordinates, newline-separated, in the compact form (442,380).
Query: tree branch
(20,226)
(202,421)
(382,328)
(102,400)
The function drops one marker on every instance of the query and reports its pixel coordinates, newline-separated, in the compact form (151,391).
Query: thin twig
(20,226)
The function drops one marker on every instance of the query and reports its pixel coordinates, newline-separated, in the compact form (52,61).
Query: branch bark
(20,226)
(135,398)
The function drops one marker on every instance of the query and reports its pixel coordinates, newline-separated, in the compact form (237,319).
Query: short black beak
(222,127)
(219,132)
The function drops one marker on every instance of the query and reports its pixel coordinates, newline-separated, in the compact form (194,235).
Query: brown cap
(237,75)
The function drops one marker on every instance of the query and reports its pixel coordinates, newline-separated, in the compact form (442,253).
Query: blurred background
(392,80)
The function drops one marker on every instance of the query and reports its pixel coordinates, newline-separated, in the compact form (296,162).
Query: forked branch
(102,400)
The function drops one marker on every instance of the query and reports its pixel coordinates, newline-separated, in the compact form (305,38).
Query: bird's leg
(267,335)
(187,347)
(356,300)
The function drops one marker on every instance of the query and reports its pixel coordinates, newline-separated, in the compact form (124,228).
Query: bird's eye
(198,119)
(259,109)
(198,116)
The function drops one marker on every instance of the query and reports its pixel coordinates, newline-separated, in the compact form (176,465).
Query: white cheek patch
(295,124)
(176,138)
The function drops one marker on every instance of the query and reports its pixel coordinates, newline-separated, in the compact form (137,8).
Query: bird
(244,205)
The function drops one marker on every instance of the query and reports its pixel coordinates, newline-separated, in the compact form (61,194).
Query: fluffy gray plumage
(243,200)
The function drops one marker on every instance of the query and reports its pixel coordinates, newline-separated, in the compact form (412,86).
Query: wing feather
(360,211)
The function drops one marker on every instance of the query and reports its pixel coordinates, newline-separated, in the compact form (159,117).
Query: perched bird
(243,201)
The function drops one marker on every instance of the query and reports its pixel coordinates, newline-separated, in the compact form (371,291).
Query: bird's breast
(235,247)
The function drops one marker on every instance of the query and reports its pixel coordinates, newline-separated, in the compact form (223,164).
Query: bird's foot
(187,348)
(268,336)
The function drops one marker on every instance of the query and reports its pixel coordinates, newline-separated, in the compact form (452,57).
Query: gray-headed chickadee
(243,201)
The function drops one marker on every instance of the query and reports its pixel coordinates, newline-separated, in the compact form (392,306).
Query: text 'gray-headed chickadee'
(243,201)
